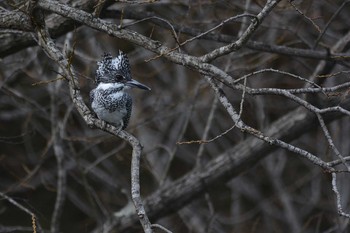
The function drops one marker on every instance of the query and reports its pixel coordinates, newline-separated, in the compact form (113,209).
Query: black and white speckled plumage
(110,68)
(109,100)
(111,104)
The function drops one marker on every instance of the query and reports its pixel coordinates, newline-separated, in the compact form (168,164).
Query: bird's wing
(92,95)
(128,105)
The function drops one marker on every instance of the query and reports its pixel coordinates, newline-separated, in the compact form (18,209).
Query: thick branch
(12,42)
(56,55)
(240,158)
(15,20)
(58,26)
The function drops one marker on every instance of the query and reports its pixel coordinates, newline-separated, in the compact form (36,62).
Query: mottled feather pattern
(112,99)
(92,95)
(109,99)
(128,106)
(109,67)
(111,105)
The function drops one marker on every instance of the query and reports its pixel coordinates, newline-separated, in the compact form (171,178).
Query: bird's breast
(110,104)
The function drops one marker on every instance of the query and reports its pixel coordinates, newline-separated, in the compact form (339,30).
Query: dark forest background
(246,128)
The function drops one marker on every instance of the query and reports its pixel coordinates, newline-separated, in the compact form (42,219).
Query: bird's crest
(109,67)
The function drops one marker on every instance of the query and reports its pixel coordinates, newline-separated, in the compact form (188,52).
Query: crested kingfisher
(109,99)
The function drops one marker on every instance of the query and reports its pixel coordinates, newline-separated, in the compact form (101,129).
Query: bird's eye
(119,78)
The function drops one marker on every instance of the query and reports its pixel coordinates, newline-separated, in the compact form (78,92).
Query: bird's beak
(134,83)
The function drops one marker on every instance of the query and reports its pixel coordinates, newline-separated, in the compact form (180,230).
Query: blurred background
(281,193)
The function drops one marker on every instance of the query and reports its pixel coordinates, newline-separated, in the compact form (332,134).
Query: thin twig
(245,36)
(217,26)
(338,197)
(160,19)
(329,22)
(288,74)
(338,161)
(98,7)
(35,223)
(161,227)
(306,17)
(206,131)
(55,54)
(56,129)
(330,140)
(181,133)
(273,141)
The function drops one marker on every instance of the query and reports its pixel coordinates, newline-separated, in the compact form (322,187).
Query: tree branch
(270,4)
(236,160)
(54,53)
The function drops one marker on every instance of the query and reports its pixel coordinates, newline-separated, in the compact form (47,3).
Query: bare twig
(234,160)
(273,141)
(182,131)
(199,161)
(173,31)
(35,223)
(244,22)
(329,22)
(218,26)
(61,183)
(288,74)
(229,164)
(245,36)
(330,141)
(58,146)
(306,17)
(204,140)
(161,227)
(55,54)
(338,196)
(339,161)
(98,7)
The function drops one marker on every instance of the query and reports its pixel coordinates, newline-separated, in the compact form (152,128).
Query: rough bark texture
(232,82)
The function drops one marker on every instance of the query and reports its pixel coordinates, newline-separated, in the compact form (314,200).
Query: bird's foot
(120,127)
(103,125)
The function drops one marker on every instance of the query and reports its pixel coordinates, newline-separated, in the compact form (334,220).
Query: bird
(110,100)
